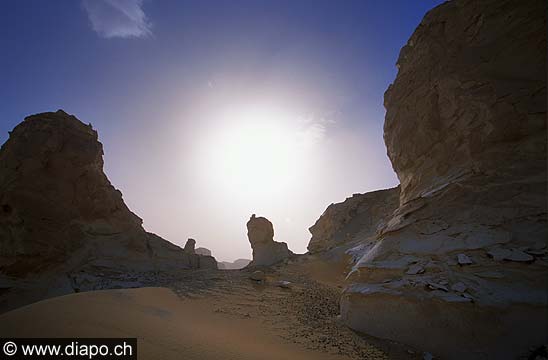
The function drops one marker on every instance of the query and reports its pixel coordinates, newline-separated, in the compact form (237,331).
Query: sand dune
(166,326)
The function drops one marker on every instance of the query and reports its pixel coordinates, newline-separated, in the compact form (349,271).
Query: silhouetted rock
(189,246)
(61,218)
(203,251)
(236,264)
(356,218)
(266,251)
(466,133)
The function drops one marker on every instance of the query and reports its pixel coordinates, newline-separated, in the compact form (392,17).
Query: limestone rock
(236,264)
(206,262)
(266,251)
(465,131)
(203,251)
(258,275)
(415,269)
(463,259)
(357,217)
(459,287)
(190,246)
(60,216)
(284,284)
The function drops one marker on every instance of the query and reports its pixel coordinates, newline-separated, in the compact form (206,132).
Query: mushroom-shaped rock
(266,251)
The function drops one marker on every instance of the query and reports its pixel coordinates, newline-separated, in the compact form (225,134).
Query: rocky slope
(63,226)
(266,251)
(460,267)
(355,219)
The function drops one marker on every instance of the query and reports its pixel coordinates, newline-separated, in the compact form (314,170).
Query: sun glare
(259,149)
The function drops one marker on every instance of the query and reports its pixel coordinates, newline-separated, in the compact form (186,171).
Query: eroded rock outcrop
(266,251)
(203,251)
(460,267)
(355,219)
(190,246)
(61,220)
(234,265)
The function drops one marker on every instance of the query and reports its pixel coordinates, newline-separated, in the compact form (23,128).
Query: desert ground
(213,314)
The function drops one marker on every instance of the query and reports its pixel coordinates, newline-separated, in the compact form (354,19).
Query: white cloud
(312,134)
(314,129)
(118,18)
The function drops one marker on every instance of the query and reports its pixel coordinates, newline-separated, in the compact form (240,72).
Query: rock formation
(61,218)
(190,246)
(460,268)
(266,251)
(236,264)
(355,219)
(203,251)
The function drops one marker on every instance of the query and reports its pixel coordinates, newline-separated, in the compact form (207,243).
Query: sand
(166,326)
(213,314)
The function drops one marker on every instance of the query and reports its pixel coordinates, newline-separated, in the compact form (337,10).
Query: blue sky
(153,76)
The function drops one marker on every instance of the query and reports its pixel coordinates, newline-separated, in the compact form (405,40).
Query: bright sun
(258,151)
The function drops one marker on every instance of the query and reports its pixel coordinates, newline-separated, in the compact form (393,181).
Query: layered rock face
(460,269)
(355,219)
(61,216)
(266,251)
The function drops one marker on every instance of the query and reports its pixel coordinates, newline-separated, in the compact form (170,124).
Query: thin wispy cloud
(314,129)
(118,18)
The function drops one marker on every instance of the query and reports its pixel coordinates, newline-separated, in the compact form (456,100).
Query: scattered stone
(490,275)
(258,275)
(519,256)
(434,286)
(415,269)
(284,284)
(468,296)
(463,259)
(536,252)
(498,254)
(459,287)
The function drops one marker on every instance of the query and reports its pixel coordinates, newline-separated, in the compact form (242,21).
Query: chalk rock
(60,215)
(415,269)
(190,246)
(258,275)
(203,251)
(463,259)
(234,265)
(459,287)
(266,251)
(358,216)
(284,284)
(465,130)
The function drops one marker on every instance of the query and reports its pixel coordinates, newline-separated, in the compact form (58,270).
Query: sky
(210,111)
